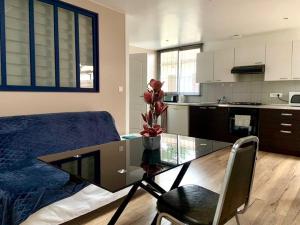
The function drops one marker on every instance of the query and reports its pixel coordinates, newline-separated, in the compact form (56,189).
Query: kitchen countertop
(267,106)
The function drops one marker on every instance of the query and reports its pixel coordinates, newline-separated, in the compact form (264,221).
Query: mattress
(88,199)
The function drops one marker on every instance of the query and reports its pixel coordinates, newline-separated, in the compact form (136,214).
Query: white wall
(151,60)
(112,75)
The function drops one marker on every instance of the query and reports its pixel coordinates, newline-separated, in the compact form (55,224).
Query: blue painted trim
(3,43)
(45,89)
(32,43)
(70,7)
(56,46)
(77,49)
(96,53)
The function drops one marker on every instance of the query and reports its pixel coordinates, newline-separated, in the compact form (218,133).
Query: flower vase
(151,143)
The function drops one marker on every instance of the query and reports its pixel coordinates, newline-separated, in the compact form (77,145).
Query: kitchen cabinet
(215,66)
(279,131)
(223,63)
(209,122)
(177,119)
(278,61)
(250,55)
(205,67)
(296,60)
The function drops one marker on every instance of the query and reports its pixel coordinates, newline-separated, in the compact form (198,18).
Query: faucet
(222,100)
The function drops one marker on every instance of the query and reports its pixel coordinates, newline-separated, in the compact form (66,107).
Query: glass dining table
(117,165)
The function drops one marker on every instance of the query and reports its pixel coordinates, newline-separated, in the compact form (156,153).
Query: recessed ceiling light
(236,36)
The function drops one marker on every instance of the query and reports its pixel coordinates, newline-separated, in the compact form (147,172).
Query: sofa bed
(32,192)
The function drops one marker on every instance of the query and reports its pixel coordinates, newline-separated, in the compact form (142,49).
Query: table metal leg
(155,186)
(180,175)
(124,204)
(176,183)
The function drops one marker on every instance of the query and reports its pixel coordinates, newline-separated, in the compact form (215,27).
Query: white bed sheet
(84,201)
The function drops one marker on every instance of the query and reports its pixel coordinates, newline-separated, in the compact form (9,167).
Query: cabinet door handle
(286,131)
(218,80)
(202,107)
(296,78)
(212,107)
(286,114)
(286,124)
(283,78)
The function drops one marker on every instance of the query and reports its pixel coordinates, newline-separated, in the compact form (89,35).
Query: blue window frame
(86,76)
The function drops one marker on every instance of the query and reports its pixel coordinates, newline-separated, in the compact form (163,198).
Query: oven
(243,121)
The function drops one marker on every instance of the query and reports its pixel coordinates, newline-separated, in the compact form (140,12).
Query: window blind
(67,56)
(86,51)
(17,42)
(44,44)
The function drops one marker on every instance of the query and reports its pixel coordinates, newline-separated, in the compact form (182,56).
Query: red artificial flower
(153,97)
(151,131)
(148,97)
(158,96)
(155,84)
(160,108)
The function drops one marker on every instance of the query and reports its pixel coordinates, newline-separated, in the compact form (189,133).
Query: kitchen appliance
(253,69)
(245,103)
(243,121)
(171,98)
(294,98)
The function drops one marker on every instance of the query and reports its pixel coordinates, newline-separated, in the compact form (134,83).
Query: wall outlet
(275,95)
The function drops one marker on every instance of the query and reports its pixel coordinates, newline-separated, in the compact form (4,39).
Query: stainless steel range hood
(254,69)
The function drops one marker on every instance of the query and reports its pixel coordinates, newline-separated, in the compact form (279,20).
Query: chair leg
(159,218)
(169,218)
(237,219)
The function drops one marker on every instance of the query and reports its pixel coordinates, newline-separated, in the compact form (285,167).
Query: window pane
(168,70)
(86,51)
(17,42)
(67,62)
(44,44)
(187,71)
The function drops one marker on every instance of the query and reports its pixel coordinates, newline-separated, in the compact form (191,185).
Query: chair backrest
(238,179)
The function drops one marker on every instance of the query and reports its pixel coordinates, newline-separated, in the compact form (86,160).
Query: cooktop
(245,103)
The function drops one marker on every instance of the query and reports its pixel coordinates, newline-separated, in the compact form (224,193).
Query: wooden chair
(195,205)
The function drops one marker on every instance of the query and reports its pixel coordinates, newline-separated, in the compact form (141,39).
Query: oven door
(243,122)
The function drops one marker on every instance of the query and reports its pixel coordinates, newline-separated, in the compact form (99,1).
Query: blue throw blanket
(26,184)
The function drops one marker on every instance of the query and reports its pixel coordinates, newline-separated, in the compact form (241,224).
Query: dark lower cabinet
(279,131)
(198,122)
(209,122)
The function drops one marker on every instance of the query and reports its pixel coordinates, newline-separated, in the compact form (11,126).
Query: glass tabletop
(117,165)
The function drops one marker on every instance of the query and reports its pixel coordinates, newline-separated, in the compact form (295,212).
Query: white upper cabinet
(296,60)
(223,63)
(278,61)
(205,67)
(250,55)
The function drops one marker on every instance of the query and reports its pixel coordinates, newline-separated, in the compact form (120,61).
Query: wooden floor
(275,197)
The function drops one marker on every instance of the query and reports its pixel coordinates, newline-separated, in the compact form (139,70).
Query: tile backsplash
(249,87)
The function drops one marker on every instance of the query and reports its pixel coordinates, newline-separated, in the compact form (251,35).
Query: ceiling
(157,24)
